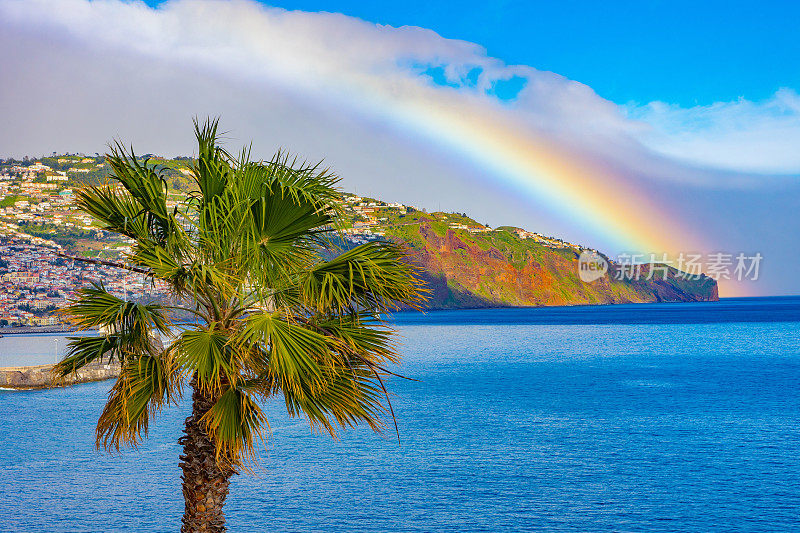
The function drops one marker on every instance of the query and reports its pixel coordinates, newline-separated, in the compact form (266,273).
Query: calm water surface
(675,417)
(27,349)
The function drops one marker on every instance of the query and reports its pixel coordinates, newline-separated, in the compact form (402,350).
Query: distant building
(21,277)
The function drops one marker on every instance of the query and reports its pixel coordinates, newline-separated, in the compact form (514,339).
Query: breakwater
(27,330)
(41,376)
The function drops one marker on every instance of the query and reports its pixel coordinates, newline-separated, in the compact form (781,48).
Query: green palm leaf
(376,276)
(236,422)
(115,208)
(349,396)
(244,253)
(295,355)
(145,384)
(205,353)
(84,350)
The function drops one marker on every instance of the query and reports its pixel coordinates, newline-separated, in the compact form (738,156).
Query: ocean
(648,417)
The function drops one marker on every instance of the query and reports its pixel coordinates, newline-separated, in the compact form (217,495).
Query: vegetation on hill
(466,262)
(469,268)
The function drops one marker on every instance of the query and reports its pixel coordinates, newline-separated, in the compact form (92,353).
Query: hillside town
(40,228)
(36,282)
(39,225)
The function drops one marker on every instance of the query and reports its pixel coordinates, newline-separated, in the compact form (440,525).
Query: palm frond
(360,336)
(212,169)
(235,423)
(145,384)
(185,278)
(95,307)
(348,397)
(115,208)
(206,354)
(84,350)
(296,355)
(376,276)
(146,184)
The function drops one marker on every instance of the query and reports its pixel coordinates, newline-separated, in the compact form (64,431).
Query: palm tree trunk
(205,484)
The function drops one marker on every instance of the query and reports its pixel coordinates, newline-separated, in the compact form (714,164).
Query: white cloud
(743,136)
(358,64)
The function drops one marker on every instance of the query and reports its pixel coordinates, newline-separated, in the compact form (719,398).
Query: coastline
(28,330)
(760,309)
(570,305)
(42,330)
(45,330)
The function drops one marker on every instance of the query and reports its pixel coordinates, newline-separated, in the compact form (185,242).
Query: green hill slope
(479,267)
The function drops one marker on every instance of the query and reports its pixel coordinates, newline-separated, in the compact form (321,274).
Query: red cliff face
(481,274)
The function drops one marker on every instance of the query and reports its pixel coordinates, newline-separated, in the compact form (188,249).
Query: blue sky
(682,52)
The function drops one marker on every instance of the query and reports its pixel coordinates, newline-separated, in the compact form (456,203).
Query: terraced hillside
(476,267)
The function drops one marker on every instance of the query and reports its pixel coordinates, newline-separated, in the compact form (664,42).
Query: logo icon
(591,266)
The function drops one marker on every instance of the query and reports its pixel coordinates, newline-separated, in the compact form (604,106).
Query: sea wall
(25,330)
(41,376)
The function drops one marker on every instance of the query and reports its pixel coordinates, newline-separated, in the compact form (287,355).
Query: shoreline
(42,330)
(27,330)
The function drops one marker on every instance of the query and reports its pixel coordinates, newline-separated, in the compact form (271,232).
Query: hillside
(466,264)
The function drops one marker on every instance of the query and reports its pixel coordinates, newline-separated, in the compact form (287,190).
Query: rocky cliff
(497,268)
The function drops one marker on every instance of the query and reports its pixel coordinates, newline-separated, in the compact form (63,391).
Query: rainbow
(583,191)
(587,193)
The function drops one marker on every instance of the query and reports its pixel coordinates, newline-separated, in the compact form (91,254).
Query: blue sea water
(670,417)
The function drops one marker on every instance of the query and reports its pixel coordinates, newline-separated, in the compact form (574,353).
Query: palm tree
(245,255)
